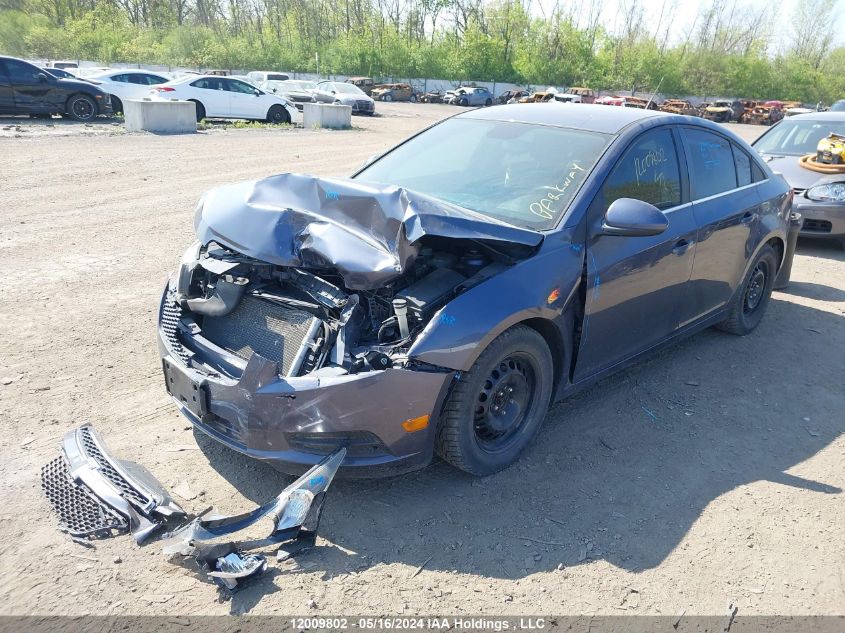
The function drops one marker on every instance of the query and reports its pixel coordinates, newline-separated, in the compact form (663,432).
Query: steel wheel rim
(504,402)
(83,109)
(756,288)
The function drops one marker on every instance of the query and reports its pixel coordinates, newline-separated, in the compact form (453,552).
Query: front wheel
(277,114)
(488,103)
(413,99)
(387,98)
(750,301)
(81,108)
(463,102)
(496,408)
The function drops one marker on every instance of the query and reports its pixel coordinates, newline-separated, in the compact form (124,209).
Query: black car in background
(27,89)
(58,73)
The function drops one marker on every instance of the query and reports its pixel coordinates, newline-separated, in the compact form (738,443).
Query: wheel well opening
(551,335)
(777,244)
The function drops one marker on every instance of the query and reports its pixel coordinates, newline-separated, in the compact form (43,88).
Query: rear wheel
(413,99)
(200,110)
(116,104)
(750,301)
(497,407)
(82,108)
(387,97)
(277,114)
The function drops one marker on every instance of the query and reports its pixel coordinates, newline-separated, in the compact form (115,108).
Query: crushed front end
(286,366)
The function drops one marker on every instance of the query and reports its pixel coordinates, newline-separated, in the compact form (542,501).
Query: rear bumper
(293,423)
(821,220)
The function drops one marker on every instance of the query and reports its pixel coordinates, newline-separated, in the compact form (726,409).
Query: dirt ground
(708,475)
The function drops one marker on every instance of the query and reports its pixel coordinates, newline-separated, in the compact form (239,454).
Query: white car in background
(123,84)
(226,98)
(258,77)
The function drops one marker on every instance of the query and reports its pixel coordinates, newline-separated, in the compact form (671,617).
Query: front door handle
(749,217)
(681,246)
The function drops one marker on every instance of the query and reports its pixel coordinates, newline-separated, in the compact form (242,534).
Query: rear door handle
(681,246)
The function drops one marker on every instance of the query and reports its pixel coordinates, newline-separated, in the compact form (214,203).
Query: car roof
(598,118)
(834,117)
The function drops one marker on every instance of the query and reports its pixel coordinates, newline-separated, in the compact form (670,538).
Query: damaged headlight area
(306,321)
(218,543)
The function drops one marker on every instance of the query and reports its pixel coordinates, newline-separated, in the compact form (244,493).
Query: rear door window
(743,167)
(647,171)
(711,163)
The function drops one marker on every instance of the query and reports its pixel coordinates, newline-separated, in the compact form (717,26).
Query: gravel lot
(708,475)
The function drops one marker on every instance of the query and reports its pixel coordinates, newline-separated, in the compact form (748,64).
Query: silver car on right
(819,198)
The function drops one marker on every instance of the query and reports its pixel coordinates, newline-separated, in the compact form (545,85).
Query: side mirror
(333,92)
(634,218)
(43,78)
(256,92)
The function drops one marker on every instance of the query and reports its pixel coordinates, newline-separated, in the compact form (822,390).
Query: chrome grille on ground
(262,327)
(80,512)
(109,471)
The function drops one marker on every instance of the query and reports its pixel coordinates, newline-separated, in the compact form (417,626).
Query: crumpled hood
(365,232)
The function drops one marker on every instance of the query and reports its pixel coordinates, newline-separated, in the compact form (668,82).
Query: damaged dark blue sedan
(441,298)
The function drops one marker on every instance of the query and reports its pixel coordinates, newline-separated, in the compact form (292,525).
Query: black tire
(81,107)
(413,98)
(200,110)
(749,303)
(116,104)
(277,114)
(387,97)
(488,103)
(463,102)
(494,411)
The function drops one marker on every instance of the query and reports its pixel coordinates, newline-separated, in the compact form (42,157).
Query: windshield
(346,89)
(796,138)
(520,173)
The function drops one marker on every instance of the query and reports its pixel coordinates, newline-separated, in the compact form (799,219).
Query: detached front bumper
(821,219)
(293,423)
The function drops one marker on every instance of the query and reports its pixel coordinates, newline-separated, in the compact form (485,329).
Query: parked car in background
(451,96)
(540,96)
(26,89)
(679,106)
(343,93)
(640,102)
(59,73)
(582,95)
(125,84)
(63,65)
(610,100)
(766,114)
(837,106)
(510,96)
(394,92)
(297,91)
(364,84)
(719,111)
(227,98)
(432,96)
(819,198)
(474,97)
(446,294)
(258,77)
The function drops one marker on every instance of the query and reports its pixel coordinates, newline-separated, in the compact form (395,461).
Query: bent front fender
(540,287)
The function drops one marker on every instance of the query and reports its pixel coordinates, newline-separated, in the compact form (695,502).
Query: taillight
(164,89)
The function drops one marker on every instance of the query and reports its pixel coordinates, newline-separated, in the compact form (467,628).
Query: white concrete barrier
(336,117)
(162,117)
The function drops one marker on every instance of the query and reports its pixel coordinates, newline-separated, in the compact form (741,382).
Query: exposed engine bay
(308,321)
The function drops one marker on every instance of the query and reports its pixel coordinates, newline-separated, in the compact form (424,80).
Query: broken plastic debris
(236,567)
